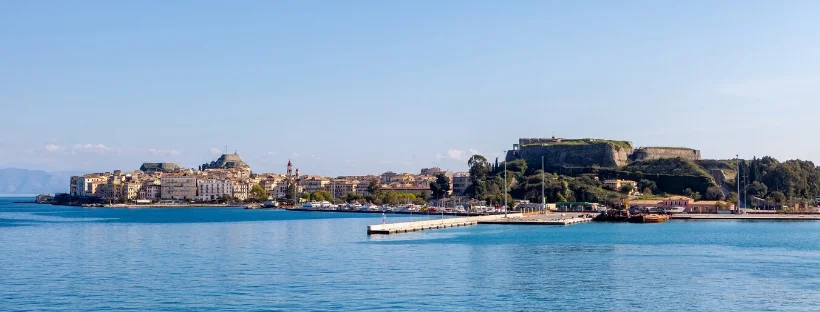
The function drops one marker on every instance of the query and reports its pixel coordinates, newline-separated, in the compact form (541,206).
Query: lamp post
(543,177)
(505,188)
(737,181)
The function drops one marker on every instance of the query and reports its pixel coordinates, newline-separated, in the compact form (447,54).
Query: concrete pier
(539,221)
(412,226)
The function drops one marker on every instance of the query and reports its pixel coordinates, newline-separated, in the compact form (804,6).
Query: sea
(56,258)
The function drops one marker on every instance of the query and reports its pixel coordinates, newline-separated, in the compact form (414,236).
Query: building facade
(178,187)
(240,189)
(213,189)
(461,181)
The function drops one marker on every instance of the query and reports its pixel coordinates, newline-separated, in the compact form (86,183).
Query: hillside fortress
(559,152)
(226,161)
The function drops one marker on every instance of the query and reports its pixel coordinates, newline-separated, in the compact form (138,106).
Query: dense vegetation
(377,198)
(793,181)
(524,182)
(668,166)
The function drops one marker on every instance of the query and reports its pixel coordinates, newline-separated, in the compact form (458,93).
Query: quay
(412,226)
(764,217)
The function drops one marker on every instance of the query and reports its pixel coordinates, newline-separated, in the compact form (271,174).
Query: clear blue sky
(355,87)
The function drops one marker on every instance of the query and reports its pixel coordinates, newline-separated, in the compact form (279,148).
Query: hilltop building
(160,167)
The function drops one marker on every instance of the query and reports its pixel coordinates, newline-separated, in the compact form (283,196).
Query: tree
(374,187)
(732,198)
(779,197)
(713,193)
(757,189)
(391,198)
(258,193)
(479,169)
(627,188)
(321,195)
(518,167)
(225,198)
(441,187)
(645,184)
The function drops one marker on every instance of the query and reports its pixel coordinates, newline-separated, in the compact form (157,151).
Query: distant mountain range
(24,181)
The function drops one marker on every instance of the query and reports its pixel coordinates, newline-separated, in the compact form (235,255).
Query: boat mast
(505,188)
(543,174)
(737,181)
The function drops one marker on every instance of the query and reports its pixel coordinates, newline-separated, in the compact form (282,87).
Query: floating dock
(412,226)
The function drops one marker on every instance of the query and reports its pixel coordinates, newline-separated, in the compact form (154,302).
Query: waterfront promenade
(783,217)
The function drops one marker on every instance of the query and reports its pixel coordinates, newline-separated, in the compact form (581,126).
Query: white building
(240,189)
(213,189)
(87,185)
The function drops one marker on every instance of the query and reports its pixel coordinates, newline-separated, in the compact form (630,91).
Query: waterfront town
(229,179)
(536,174)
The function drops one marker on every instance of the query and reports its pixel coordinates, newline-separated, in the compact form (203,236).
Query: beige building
(689,205)
(617,184)
(342,187)
(361,187)
(461,181)
(409,189)
(240,189)
(314,183)
(88,185)
(151,190)
(131,190)
(176,186)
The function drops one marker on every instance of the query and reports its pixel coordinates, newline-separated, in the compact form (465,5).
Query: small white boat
(674,210)
(311,205)
(409,208)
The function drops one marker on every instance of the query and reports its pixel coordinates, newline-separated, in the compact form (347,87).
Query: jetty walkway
(512,219)
(545,219)
(412,226)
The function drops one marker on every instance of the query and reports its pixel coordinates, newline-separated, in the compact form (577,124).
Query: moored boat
(649,218)
(673,210)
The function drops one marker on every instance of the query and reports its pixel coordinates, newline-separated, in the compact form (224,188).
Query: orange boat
(654,218)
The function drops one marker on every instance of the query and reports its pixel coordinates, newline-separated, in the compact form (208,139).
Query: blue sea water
(192,259)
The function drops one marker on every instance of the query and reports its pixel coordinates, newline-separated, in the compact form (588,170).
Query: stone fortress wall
(653,153)
(559,152)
